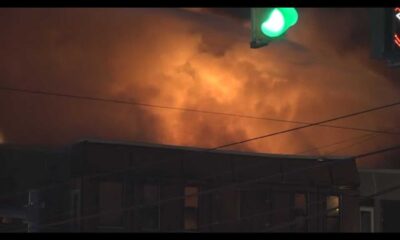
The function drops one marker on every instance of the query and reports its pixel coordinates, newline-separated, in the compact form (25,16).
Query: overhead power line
(335,143)
(228,172)
(313,124)
(308,125)
(208,191)
(384,191)
(211,176)
(308,150)
(363,140)
(213,149)
(269,212)
(378,151)
(290,223)
(259,214)
(147,105)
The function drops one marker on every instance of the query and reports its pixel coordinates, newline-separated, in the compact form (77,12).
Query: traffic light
(395,16)
(386,35)
(268,24)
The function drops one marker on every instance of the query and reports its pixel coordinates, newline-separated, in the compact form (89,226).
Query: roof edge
(193,148)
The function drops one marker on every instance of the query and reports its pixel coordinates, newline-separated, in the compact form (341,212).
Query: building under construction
(97,186)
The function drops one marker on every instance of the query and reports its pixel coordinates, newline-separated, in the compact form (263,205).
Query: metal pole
(33,209)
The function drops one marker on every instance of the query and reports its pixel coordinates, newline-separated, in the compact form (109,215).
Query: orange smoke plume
(190,59)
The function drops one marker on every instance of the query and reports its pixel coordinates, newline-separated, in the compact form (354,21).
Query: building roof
(31,148)
(187,148)
(381,171)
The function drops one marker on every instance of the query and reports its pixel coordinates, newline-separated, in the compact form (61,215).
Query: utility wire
(288,224)
(368,154)
(200,193)
(396,147)
(379,193)
(106,174)
(308,125)
(203,178)
(293,129)
(312,149)
(200,111)
(363,140)
(269,212)
(236,184)
(387,190)
(308,150)
(147,105)
(212,149)
(335,143)
(151,164)
(211,176)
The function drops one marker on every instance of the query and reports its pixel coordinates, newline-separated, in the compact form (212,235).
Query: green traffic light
(278,21)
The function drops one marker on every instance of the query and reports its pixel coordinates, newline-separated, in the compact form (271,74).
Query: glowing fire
(185,61)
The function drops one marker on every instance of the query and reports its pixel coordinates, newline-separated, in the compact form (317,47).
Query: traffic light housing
(268,24)
(385,38)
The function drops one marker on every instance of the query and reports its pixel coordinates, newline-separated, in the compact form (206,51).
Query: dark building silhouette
(380,213)
(158,188)
(22,170)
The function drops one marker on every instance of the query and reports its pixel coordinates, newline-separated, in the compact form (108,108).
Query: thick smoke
(195,59)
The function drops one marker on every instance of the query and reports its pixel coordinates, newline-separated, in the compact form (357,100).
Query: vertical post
(33,211)
(76,209)
(377,17)
(252,30)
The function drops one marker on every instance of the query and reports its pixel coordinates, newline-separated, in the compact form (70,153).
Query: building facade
(380,205)
(22,171)
(125,187)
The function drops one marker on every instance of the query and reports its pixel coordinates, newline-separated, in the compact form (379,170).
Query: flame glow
(188,60)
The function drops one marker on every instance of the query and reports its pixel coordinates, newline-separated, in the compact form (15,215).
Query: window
(110,199)
(332,205)
(191,208)
(367,219)
(150,213)
(282,201)
(300,212)
(255,207)
(333,214)
(300,202)
(192,200)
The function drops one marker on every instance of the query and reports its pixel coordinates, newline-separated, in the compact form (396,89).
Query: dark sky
(194,58)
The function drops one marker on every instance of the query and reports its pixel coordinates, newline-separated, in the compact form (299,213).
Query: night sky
(195,58)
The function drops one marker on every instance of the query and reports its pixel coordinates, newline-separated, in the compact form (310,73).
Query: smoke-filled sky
(194,58)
